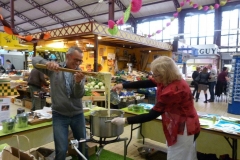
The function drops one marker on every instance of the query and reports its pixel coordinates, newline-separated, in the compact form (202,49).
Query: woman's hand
(118,121)
(53,66)
(118,87)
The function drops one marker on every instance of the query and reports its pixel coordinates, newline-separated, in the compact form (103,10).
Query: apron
(183,149)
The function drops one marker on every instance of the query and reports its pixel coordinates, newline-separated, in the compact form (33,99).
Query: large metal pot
(22,120)
(101,125)
(8,125)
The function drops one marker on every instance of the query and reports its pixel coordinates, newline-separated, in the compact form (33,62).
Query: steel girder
(122,7)
(45,11)
(23,17)
(79,9)
(176,4)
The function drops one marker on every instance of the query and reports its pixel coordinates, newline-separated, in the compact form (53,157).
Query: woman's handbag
(197,79)
(12,153)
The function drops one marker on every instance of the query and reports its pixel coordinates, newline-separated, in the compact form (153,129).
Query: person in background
(174,102)
(195,83)
(221,86)
(2,69)
(10,66)
(67,90)
(212,82)
(36,80)
(202,80)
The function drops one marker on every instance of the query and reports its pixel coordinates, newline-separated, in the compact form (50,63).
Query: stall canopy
(88,32)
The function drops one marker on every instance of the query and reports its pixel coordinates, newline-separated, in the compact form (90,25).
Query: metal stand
(102,142)
(233,146)
(132,129)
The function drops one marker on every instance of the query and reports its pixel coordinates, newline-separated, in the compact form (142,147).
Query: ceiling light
(99,37)
(150,51)
(76,41)
(5,46)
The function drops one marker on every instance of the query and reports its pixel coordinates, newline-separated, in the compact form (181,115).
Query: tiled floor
(215,108)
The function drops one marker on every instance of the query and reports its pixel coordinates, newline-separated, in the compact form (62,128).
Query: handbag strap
(19,144)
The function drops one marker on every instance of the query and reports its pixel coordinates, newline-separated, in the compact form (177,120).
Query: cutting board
(37,121)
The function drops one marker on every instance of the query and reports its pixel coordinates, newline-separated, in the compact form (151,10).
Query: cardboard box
(28,104)
(18,101)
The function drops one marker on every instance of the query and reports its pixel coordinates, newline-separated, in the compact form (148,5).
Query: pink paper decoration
(136,5)
(205,8)
(182,4)
(175,15)
(188,1)
(149,35)
(120,21)
(216,6)
(111,24)
(168,24)
(159,31)
(195,5)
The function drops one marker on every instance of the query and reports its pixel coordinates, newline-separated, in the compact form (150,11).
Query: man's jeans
(61,124)
(211,89)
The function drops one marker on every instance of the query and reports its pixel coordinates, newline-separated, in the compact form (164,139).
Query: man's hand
(78,76)
(53,66)
(118,121)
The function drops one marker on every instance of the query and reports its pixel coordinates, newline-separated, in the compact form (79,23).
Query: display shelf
(234,86)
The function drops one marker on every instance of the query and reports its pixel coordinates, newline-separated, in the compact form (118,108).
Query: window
(153,26)
(229,32)
(199,29)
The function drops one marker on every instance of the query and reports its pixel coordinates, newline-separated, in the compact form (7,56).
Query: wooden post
(96,53)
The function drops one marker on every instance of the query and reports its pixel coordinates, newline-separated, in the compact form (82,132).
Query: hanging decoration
(195,6)
(9,30)
(134,6)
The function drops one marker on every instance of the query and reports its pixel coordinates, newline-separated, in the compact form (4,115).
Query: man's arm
(40,60)
(140,84)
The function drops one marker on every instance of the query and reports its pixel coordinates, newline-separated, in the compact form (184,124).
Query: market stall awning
(90,29)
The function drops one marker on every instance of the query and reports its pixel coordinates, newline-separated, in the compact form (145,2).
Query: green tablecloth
(45,124)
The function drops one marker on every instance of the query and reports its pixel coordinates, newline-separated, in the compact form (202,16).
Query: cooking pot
(8,125)
(101,126)
(22,120)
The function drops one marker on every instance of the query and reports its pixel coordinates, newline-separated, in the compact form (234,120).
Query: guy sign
(208,49)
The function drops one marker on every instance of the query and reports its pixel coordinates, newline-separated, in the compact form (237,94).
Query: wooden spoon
(43,66)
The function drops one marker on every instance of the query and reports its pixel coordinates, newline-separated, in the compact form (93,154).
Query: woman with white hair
(174,102)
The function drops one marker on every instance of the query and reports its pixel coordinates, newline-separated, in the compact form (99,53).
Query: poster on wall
(101,51)
(91,54)
(180,58)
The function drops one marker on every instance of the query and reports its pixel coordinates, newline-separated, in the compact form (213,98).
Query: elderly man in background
(67,90)
(35,81)
(212,82)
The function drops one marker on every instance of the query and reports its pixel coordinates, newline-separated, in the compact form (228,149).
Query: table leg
(234,149)
(132,129)
(233,146)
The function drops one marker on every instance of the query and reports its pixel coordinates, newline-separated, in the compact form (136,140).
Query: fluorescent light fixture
(5,46)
